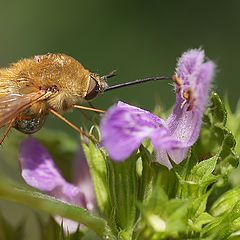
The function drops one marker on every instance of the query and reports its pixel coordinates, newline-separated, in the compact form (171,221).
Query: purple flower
(124,127)
(40,172)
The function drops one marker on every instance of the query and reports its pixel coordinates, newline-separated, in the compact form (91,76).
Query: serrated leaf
(226,201)
(214,134)
(225,225)
(233,122)
(216,139)
(194,183)
(218,110)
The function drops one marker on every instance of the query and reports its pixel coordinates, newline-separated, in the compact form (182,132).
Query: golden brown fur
(31,86)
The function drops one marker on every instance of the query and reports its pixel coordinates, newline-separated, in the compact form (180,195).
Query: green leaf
(211,135)
(49,230)
(123,189)
(146,175)
(226,202)
(233,123)
(195,181)
(219,113)
(97,165)
(161,217)
(168,179)
(39,201)
(169,221)
(216,139)
(225,225)
(9,232)
(201,220)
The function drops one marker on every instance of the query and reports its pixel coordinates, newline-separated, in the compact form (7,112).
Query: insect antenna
(138,81)
(109,75)
(77,129)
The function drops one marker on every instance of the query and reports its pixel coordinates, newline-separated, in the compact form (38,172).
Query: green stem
(123,187)
(39,201)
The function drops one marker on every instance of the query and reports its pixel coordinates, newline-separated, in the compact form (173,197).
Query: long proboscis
(138,81)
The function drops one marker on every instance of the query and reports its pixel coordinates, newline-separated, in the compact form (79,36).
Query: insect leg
(7,131)
(88,108)
(77,129)
(85,114)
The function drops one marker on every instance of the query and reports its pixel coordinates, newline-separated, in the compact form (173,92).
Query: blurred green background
(138,38)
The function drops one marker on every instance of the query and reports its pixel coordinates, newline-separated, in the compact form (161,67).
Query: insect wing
(13,104)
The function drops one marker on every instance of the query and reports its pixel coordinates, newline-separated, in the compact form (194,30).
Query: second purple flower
(124,127)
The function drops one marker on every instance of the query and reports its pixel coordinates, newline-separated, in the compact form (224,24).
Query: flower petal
(38,168)
(196,76)
(185,121)
(124,127)
(162,157)
(39,171)
(184,125)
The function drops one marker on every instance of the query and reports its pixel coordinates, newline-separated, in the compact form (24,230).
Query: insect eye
(93,89)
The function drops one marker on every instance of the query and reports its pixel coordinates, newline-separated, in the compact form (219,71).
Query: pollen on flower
(188,98)
(185,91)
(177,80)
